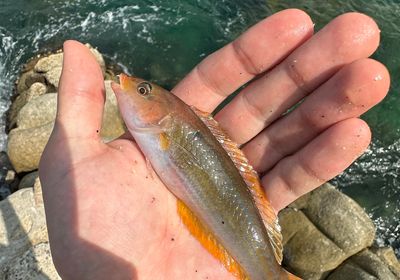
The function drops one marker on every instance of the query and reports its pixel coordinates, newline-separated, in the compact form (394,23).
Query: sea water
(163,40)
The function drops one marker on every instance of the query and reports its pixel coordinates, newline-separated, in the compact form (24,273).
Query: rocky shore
(326,234)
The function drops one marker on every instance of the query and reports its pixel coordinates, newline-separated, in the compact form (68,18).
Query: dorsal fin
(208,241)
(250,176)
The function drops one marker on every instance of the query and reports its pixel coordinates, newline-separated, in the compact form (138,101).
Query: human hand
(108,218)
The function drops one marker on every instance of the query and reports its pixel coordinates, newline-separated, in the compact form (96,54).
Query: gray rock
(5,163)
(28,181)
(34,91)
(386,254)
(53,76)
(5,168)
(99,57)
(37,192)
(48,63)
(11,180)
(364,265)
(323,229)
(35,122)
(112,125)
(51,66)
(306,250)
(35,264)
(25,146)
(340,218)
(27,79)
(9,183)
(38,112)
(5,191)
(24,249)
(22,225)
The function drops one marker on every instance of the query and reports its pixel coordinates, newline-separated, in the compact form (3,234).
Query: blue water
(163,40)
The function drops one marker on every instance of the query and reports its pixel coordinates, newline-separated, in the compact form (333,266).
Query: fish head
(143,104)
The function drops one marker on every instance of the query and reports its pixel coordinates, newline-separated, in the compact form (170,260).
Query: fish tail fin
(289,276)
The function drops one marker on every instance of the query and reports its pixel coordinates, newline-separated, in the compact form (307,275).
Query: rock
(323,229)
(28,180)
(38,112)
(364,265)
(24,248)
(112,125)
(99,57)
(25,146)
(4,191)
(48,63)
(341,219)
(5,163)
(11,180)
(110,75)
(5,168)
(36,89)
(27,79)
(307,251)
(36,263)
(22,225)
(37,191)
(8,178)
(53,76)
(51,66)
(386,254)
(35,122)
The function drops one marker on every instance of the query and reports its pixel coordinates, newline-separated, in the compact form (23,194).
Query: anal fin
(208,241)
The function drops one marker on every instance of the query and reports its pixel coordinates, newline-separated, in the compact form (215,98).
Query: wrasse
(220,199)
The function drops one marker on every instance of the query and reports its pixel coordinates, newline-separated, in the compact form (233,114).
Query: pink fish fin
(208,241)
(250,176)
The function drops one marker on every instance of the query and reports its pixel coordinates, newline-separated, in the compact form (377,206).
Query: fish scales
(197,170)
(214,190)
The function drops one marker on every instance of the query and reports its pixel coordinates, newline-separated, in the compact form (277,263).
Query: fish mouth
(124,84)
(124,81)
(116,87)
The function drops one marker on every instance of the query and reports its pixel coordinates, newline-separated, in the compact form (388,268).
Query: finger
(351,92)
(347,38)
(81,93)
(254,52)
(319,161)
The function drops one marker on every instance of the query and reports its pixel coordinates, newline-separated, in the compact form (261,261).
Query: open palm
(108,214)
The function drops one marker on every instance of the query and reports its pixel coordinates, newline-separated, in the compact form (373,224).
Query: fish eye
(144,88)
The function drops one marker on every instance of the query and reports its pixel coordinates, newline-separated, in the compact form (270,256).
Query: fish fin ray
(290,276)
(208,240)
(250,176)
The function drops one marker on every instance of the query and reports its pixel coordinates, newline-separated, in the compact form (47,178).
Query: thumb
(81,93)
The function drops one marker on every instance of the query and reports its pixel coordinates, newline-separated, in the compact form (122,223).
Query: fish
(219,196)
